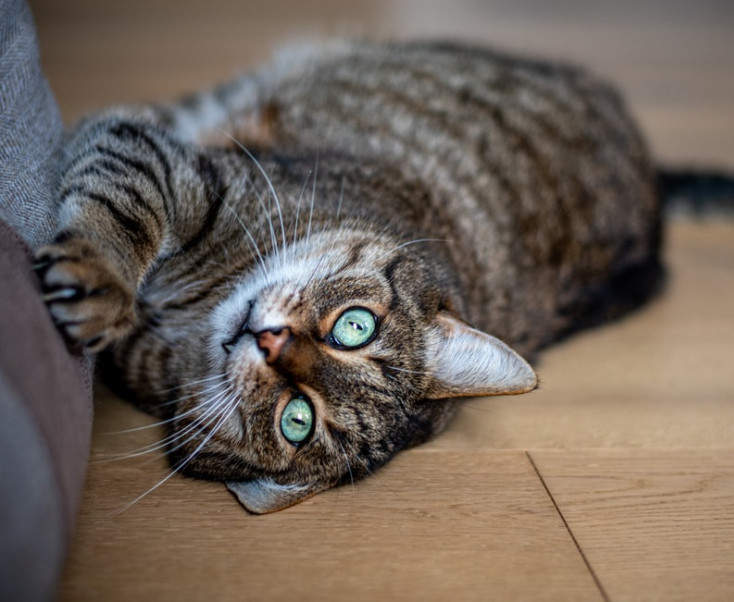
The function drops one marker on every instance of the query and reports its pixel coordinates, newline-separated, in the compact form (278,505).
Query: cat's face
(333,356)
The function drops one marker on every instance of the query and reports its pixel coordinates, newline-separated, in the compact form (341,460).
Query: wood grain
(654,525)
(632,429)
(671,58)
(660,378)
(431,526)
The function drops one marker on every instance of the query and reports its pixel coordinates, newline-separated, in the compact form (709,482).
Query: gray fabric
(32,526)
(45,428)
(45,393)
(30,129)
(53,385)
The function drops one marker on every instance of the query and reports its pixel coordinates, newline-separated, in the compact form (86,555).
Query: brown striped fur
(210,246)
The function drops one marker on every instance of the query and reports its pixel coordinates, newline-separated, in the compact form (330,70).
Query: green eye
(296,423)
(355,328)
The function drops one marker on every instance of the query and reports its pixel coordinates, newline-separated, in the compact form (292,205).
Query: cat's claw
(63,294)
(88,300)
(39,266)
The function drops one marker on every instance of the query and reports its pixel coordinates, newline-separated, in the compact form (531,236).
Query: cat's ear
(466,362)
(261,496)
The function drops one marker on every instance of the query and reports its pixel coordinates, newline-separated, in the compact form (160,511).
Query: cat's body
(399,189)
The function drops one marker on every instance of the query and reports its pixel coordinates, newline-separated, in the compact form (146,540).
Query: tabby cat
(298,271)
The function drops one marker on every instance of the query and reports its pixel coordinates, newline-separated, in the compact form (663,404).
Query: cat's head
(335,354)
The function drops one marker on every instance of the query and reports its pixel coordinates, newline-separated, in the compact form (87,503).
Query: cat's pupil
(356,327)
(296,423)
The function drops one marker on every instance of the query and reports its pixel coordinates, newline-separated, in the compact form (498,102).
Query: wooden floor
(614,481)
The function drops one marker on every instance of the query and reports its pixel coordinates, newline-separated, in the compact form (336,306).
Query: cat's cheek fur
(465,362)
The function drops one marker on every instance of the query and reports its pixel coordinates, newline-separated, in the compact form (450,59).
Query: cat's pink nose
(271,342)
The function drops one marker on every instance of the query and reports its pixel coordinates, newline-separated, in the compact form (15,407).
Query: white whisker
(207,391)
(215,404)
(346,459)
(202,425)
(413,242)
(250,238)
(298,208)
(312,274)
(313,199)
(269,182)
(341,199)
(180,290)
(189,384)
(363,463)
(180,465)
(202,393)
(406,370)
(271,227)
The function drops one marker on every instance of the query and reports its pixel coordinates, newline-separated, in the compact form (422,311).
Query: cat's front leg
(114,219)
(91,303)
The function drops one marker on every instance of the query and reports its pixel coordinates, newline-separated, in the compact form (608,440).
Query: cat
(301,272)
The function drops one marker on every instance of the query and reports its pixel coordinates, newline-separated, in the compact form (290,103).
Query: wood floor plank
(671,59)
(431,526)
(456,519)
(654,525)
(661,377)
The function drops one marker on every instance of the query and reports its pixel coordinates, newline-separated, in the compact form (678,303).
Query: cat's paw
(89,301)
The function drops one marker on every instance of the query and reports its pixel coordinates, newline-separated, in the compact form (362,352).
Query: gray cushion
(30,128)
(45,393)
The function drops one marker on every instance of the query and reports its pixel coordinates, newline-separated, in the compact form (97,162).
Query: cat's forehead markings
(323,258)
(302,266)
(305,262)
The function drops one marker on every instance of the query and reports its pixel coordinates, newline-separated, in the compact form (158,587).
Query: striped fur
(436,185)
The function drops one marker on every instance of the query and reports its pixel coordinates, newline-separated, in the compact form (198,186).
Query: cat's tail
(688,193)
(697,194)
